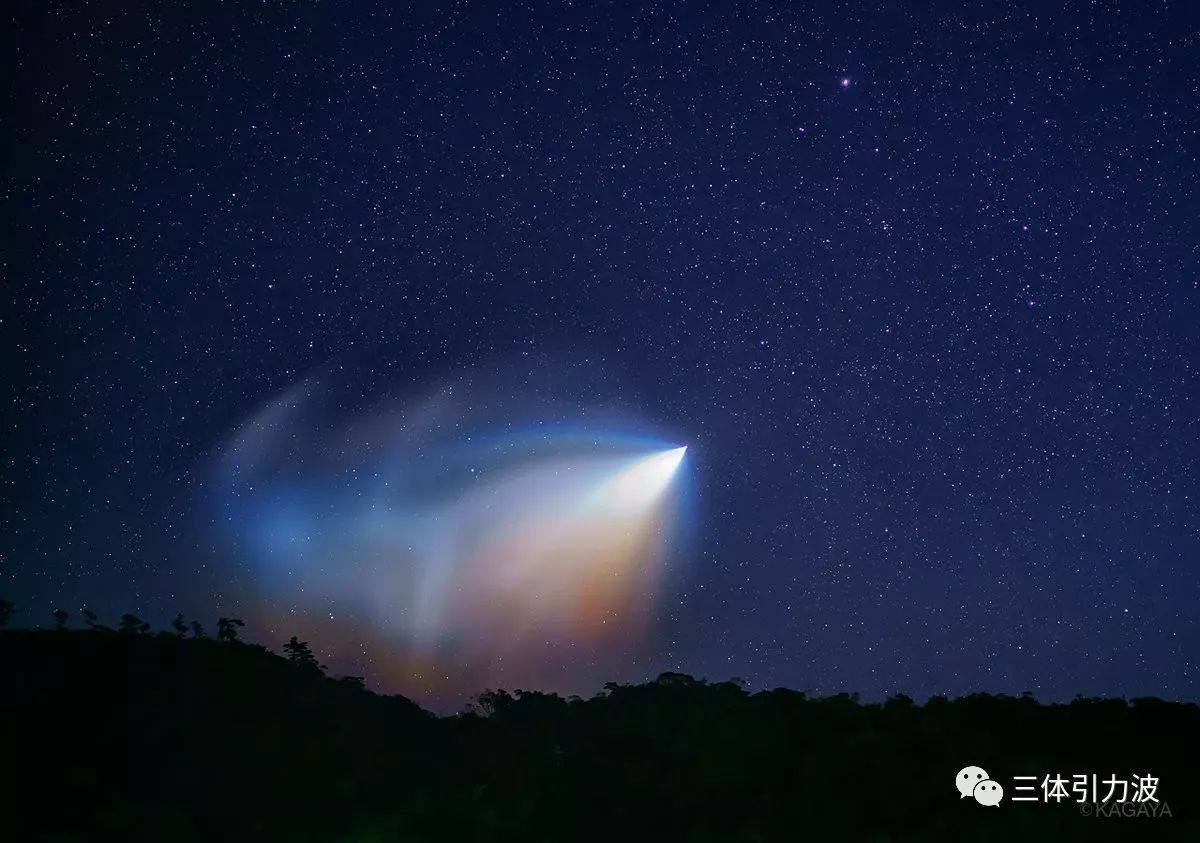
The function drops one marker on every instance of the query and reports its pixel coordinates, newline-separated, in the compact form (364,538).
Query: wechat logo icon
(974,781)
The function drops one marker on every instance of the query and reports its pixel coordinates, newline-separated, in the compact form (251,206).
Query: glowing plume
(457,553)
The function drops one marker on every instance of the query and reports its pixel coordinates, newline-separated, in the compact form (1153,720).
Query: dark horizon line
(662,678)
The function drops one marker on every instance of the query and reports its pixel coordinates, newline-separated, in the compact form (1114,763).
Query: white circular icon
(988,792)
(967,778)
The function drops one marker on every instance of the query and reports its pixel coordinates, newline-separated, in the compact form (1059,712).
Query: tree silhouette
(227,628)
(300,654)
(680,757)
(6,608)
(198,630)
(60,618)
(180,627)
(89,618)
(133,625)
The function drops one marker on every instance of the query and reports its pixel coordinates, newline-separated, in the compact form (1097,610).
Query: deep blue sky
(920,288)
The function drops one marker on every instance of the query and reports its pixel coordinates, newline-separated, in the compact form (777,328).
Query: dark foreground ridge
(133,736)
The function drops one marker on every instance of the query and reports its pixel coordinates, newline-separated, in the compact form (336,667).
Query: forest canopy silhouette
(178,735)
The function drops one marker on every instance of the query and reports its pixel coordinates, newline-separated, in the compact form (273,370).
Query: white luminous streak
(642,483)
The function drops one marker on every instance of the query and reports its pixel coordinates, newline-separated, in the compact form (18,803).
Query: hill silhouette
(127,735)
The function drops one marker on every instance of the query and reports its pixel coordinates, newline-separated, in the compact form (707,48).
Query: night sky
(299,295)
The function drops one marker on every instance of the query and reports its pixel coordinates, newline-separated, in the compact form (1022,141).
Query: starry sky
(916,285)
